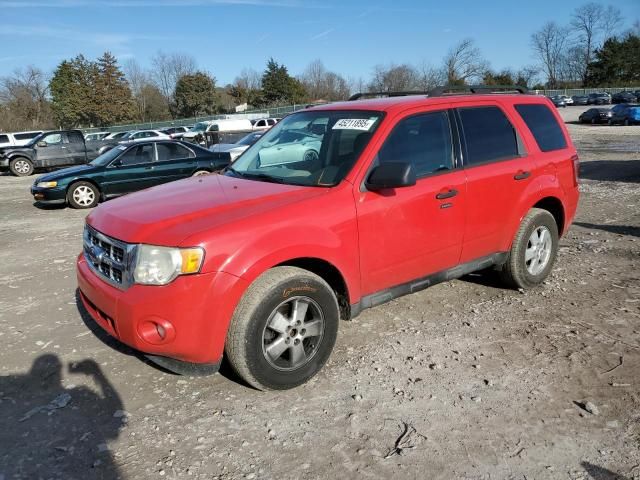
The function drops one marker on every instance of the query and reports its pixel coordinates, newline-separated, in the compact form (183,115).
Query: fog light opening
(161,331)
(156,331)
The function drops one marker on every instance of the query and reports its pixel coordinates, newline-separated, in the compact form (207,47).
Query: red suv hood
(168,214)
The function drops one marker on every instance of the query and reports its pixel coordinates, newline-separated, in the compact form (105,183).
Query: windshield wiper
(255,176)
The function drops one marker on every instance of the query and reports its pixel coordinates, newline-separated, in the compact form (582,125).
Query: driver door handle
(521,175)
(448,194)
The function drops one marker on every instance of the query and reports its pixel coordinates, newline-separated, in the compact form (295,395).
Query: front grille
(111,259)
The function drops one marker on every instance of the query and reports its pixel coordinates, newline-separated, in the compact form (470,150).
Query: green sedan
(124,169)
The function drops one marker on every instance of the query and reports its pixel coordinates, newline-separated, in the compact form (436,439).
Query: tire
(83,195)
(21,167)
(593,121)
(519,271)
(265,320)
(198,173)
(626,122)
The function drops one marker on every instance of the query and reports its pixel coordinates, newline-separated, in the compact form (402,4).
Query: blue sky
(225,36)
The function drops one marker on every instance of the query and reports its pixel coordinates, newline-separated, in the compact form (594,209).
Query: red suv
(337,208)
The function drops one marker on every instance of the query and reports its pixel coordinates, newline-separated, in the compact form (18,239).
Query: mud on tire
(283,330)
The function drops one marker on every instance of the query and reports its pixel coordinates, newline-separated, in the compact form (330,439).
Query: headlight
(47,184)
(161,265)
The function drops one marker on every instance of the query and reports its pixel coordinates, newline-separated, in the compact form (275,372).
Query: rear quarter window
(4,139)
(543,125)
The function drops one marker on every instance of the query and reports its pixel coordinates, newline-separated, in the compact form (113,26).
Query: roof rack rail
(466,89)
(361,95)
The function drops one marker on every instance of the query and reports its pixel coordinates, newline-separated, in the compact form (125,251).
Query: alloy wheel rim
(83,195)
(538,251)
(293,333)
(22,166)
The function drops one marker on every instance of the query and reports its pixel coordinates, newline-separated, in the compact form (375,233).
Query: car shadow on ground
(50,430)
(50,206)
(225,369)
(600,473)
(487,278)
(617,229)
(611,170)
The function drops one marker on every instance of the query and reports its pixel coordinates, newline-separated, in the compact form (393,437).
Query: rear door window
(75,137)
(488,135)
(172,151)
(544,126)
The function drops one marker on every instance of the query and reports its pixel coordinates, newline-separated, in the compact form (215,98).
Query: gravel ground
(463,380)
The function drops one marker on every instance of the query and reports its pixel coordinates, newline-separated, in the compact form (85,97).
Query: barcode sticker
(364,124)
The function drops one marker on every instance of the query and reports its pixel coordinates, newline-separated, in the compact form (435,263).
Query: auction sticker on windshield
(354,124)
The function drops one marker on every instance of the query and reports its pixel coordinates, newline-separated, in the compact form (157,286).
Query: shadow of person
(600,473)
(51,431)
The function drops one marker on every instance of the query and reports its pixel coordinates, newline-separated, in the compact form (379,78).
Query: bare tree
(464,63)
(24,97)
(393,78)
(167,68)
(549,45)
(593,24)
(429,77)
(246,88)
(320,83)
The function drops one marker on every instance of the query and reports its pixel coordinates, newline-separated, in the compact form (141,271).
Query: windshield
(35,140)
(199,127)
(107,156)
(309,148)
(249,139)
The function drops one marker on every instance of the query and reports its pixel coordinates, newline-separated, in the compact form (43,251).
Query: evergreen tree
(280,87)
(617,63)
(72,96)
(113,101)
(195,94)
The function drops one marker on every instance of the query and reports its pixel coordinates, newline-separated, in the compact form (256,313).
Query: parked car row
(620,114)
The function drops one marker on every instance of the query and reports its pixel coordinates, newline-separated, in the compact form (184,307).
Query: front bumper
(49,195)
(193,310)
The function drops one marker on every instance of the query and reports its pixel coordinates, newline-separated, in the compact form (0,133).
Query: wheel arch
(555,207)
(330,274)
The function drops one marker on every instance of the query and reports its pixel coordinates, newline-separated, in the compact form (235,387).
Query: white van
(17,139)
(224,125)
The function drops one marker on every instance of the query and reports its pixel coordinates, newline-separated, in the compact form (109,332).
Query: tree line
(590,51)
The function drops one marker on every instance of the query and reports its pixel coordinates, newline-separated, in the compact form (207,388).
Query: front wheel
(283,329)
(83,195)
(21,167)
(533,251)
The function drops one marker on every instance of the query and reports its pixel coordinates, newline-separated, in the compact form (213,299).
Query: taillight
(575,161)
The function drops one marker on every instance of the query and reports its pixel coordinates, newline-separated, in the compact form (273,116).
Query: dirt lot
(485,382)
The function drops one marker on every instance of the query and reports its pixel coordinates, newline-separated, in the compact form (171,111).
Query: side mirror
(42,143)
(391,175)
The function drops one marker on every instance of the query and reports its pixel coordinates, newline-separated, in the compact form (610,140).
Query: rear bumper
(193,310)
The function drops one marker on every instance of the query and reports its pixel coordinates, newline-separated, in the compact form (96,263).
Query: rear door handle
(521,175)
(445,195)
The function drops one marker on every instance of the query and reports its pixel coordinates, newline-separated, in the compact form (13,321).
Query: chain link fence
(249,114)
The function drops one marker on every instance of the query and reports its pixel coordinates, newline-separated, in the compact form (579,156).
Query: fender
(546,186)
(28,154)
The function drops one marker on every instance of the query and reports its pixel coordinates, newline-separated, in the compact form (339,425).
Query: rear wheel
(21,167)
(533,251)
(283,329)
(83,195)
